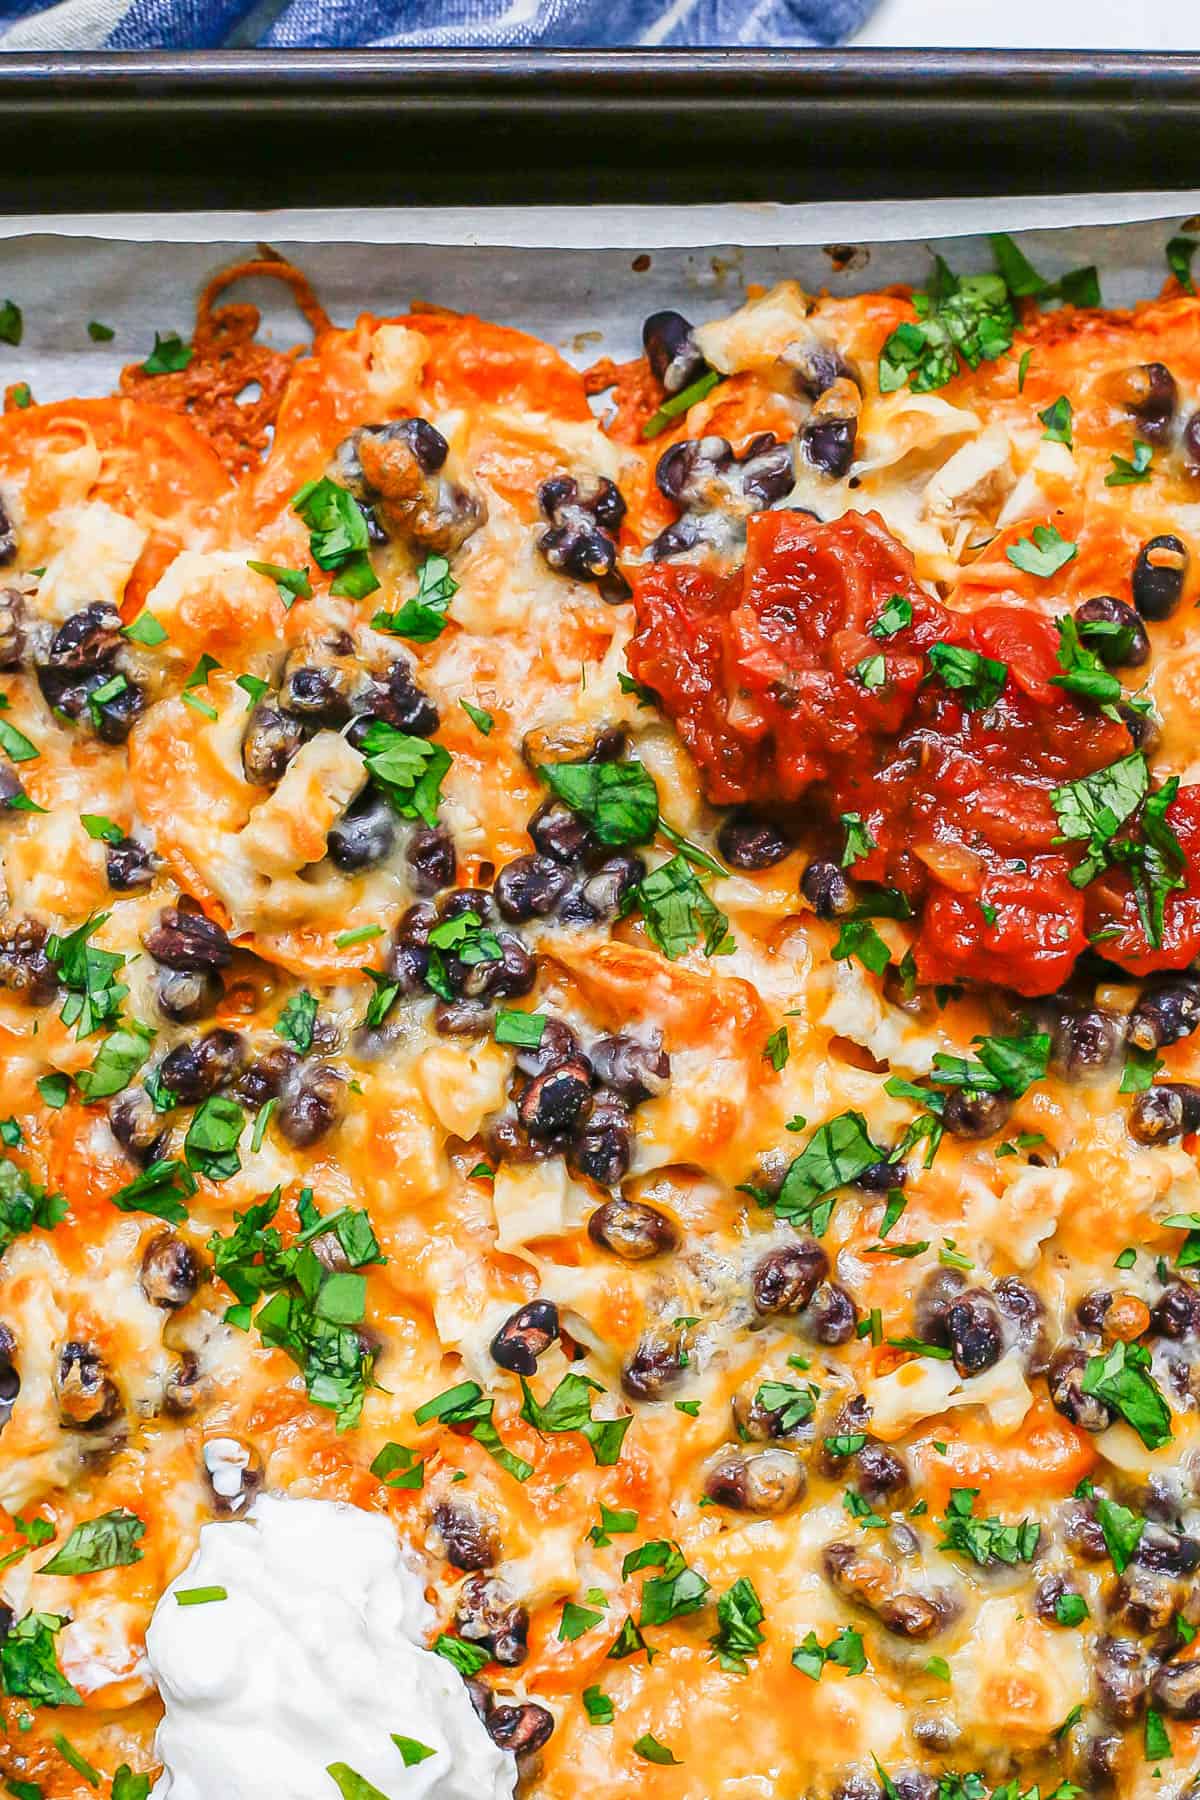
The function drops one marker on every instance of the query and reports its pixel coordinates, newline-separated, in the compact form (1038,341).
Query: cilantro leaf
(977,680)
(1122,1530)
(1057,420)
(739,1615)
(896,615)
(1083,671)
(1127,473)
(859,842)
(677,908)
(986,1541)
(648,1746)
(618,799)
(159,1190)
(117,1061)
(409,770)
(859,938)
(1121,1378)
(169,355)
(107,1542)
(210,1146)
(1045,555)
(337,535)
(295,1023)
(1006,1065)
(835,1155)
(422,619)
(569,1408)
(968,318)
(293,584)
(1180,251)
(29,1664)
(1093,809)
(25,1205)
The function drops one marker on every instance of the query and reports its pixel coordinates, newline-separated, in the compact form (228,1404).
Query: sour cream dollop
(315,1657)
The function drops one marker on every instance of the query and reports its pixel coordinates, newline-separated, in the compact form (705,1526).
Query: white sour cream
(314,1658)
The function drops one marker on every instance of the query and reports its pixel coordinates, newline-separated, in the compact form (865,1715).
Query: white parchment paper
(582,278)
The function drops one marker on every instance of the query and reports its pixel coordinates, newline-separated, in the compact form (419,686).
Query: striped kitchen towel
(423,24)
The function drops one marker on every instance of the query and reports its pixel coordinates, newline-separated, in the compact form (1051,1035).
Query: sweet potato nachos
(603,965)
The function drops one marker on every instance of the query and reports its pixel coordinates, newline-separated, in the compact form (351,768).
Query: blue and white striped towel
(423,24)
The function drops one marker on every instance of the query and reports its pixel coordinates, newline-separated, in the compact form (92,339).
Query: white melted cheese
(314,1658)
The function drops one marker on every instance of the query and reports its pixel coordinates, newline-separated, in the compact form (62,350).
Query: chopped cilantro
(777,1048)
(107,1542)
(29,1665)
(986,1541)
(1057,420)
(896,615)
(859,938)
(1126,473)
(569,1409)
(409,770)
(1043,555)
(677,908)
(618,799)
(159,1190)
(423,618)
(969,318)
(295,1023)
(835,1155)
(648,1746)
(976,680)
(737,1637)
(25,1205)
(169,355)
(481,720)
(678,404)
(598,1706)
(1180,251)
(293,584)
(524,1029)
(859,842)
(337,536)
(1120,1377)
(575,1621)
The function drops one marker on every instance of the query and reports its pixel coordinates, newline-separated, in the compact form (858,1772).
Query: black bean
(602,894)
(88,1397)
(272,739)
(938,1292)
(25,969)
(1159,575)
(555,1102)
(187,995)
(1087,1042)
(1167,1552)
(764,1482)
(234,1471)
(973,1328)
(751,843)
(557,1044)
(1025,1318)
(468,900)
(317,696)
(486,1613)
(1101,1755)
(10,788)
(1165,1111)
(470,1541)
(1176,1312)
(1120,1679)
(129,865)
(114,719)
(881,1177)
(184,1387)
(1114,631)
(714,529)
(522,1338)
(171,1271)
(815,366)
(1065,1378)
(530,887)
(311,1105)
(196,1070)
(602,1144)
(1144,728)
(583,516)
(786,1279)
(881,1472)
(1082,1531)
(765,470)
(1191,446)
(12,619)
(827,889)
(1167,1011)
(635,1068)
(88,640)
(910,1616)
(758,1423)
(672,351)
(135,1124)
(690,474)
(828,443)
(831,1315)
(1050,1591)
(1149,392)
(365,833)
(1142,1601)
(432,862)
(428,446)
(402,703)
(522,1729)
(632,1230)
(1176,1688)
(971,1114)
(560,833)
(10,1380)
(8,535)
(655,1366)
(508,978)
(188,941)
(1092,1309)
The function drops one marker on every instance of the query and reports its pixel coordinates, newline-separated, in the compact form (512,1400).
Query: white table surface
(1036,24)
